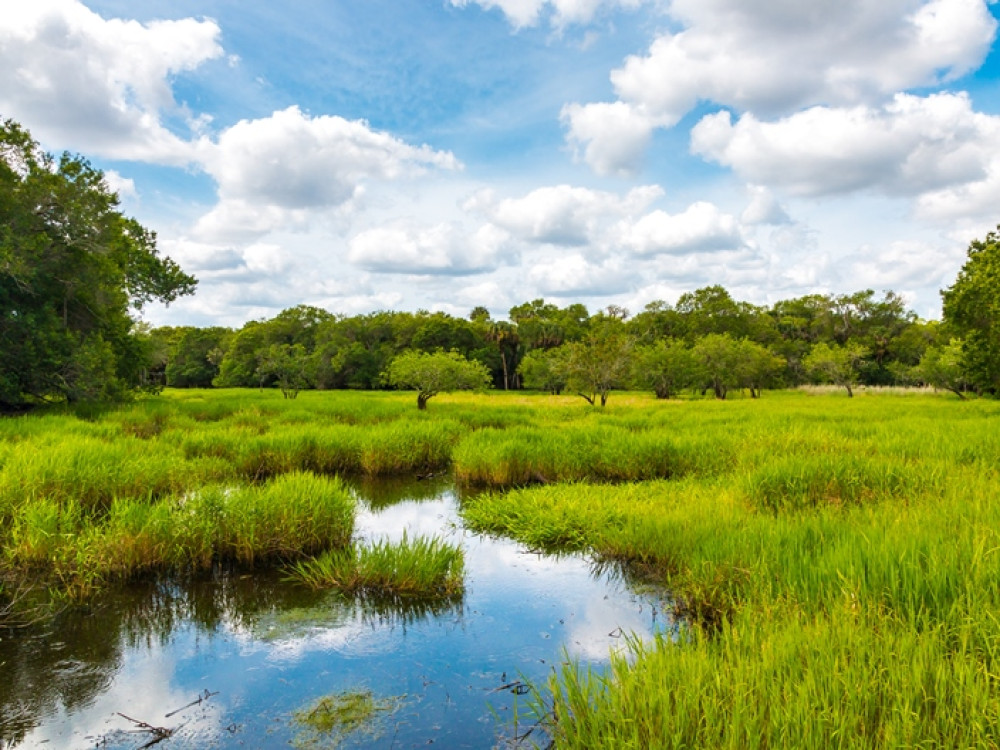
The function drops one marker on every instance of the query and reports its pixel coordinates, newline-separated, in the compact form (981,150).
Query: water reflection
(268,647)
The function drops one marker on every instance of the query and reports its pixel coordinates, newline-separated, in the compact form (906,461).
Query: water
(227,662)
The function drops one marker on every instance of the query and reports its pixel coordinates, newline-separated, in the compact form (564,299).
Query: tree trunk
(850,393)
(422,401)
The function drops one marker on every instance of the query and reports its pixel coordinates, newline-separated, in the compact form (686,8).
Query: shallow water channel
(227,662)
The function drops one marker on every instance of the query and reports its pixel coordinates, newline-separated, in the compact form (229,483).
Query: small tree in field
(544,370)
(430,374)
(597,365)
(835,364)
(942,367)
(665,367)
(288,365)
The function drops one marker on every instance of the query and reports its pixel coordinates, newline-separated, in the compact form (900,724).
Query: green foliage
(288,365)
(972,307)
(665,367)
(944,367)
(194,356)
(835,364)
(432,373)
(72,267)
(599,363)
(545,370)
(719,356)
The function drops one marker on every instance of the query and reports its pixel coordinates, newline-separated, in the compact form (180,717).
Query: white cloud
(910,146)
(700,228)
(904,265)
(96,85)
(272,172)
(446,249)
(123,186)
(562,214)
(609,136)
(562,13)
(773,57)
(573,274)
(763,208)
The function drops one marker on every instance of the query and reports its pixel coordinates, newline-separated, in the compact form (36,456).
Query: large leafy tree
(972,307)
(73,270)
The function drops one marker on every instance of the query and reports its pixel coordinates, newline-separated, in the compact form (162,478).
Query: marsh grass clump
(332,718)
(564,453)
(796,482)
(92,472)
(410,568)
(292,516)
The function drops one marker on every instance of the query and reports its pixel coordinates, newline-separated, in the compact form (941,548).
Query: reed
(422,567)
(294,515)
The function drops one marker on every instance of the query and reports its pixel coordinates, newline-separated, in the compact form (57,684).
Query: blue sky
(443,154)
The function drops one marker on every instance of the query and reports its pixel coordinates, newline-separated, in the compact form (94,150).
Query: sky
(447,154)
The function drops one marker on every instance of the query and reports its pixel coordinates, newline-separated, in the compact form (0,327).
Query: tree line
(75,274)
(708,341)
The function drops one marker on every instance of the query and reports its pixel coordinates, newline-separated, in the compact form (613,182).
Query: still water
(227,662)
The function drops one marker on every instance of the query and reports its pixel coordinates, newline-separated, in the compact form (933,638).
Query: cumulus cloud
(904,265)
(272,172)
(562,214)
(772,57)
(123,186)
(609,136)
(700,228)
(444,249)
(561,13)
(763,208)
(574,274)
(99,85)
(911,146)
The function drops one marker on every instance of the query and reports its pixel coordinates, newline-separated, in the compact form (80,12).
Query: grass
(836,561)
(293,515)
(840,580)
(421,567)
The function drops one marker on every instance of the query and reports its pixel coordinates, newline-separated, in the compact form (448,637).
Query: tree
(544,370)
(758,366)
(508,344)
(288,365)
(432,373)
(194,359)
(972,308)
(719,357)
(835,364)
(600,362)
(664,367)
(942,367)
(73,269)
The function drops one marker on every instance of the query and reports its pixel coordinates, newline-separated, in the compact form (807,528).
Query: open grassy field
(836,561)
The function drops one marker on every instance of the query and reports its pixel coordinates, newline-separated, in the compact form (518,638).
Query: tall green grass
(292,516)
(838,583)
(420,567)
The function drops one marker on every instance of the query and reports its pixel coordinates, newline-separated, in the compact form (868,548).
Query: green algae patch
(333,718)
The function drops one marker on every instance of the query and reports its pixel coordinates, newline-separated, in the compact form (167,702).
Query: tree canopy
(72,270)
(431,373)
(972,307)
